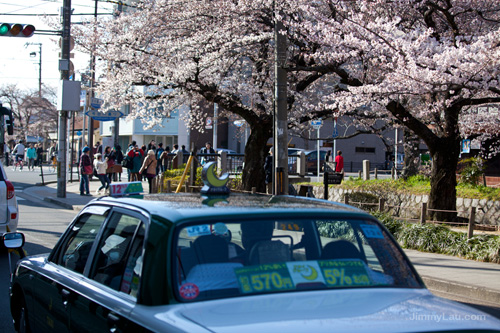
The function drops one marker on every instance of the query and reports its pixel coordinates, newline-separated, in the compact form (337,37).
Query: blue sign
(104,116)
(317,122)
(96,102)
(335,132)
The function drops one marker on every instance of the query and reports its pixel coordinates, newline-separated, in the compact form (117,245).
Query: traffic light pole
(63,114)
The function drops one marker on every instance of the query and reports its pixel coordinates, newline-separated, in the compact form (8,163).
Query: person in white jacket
(100,167)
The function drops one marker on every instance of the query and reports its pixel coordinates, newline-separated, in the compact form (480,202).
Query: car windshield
(223,259)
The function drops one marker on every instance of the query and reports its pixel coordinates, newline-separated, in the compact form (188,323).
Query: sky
(16,64)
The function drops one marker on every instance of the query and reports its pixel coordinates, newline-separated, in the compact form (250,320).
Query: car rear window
(221,259)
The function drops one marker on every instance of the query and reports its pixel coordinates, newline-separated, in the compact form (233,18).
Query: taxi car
(219,263)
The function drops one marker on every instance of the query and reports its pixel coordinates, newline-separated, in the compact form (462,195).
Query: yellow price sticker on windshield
(262,279)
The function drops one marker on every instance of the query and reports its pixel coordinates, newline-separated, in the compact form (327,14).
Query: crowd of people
(20,155)
(141,162)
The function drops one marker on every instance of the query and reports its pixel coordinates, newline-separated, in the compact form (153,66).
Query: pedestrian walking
(339,162)
(6,152)
(159,164)
(19,151)
(110,157)
(149,168)
(85,170)
(268,168)
(100,167)
(207,150)
(31,156)
(165,159)
(185,154)
(97,148)
(135,155)
(39,154)
(118,166)
(152,145)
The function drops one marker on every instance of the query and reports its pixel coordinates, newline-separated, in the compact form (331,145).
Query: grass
(418,185)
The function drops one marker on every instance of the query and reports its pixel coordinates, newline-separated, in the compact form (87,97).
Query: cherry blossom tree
(33,115)
(425,64)
(168,54)
(422,64)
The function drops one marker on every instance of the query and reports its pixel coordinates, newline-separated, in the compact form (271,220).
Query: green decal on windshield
(291,275)
(263,278)
(344,273)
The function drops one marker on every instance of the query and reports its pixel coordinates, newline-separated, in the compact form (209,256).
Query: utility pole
(32,54)
(116,133)
(63,114)
(280,112)
(40,72)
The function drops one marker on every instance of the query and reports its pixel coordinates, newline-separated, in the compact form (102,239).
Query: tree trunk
(443,195)
(412,154)
(255,155)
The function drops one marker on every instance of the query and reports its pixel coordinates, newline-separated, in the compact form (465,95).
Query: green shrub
(471,170)
(440,239)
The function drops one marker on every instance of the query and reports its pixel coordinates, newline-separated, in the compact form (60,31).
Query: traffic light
(16,30)
(9,120)
(10,125)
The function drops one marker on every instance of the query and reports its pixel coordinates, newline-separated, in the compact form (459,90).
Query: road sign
(104,116)
(335,132)
(96,102)
(238,123)
(208,123)
(316,124)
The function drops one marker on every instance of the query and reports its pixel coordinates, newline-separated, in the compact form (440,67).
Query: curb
(473,292)
(59,203)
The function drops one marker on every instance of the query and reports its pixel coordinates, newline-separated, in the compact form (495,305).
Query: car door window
(81,237)
(119,252)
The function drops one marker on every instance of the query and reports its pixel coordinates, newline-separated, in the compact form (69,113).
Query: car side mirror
(13,240)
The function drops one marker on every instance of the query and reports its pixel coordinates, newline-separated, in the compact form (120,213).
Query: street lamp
(33,54)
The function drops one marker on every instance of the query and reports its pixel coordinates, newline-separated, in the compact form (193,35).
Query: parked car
(311,161)
(239,263)
(229,151)
(9,213)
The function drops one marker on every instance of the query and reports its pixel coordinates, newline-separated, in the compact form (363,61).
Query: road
(43,222)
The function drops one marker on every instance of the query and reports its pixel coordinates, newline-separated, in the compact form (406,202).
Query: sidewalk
(444,275)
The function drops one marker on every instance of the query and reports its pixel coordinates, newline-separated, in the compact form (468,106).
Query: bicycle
(20,162)
(53,165)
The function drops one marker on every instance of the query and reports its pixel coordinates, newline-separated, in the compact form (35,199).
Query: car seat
(341,249)
(269,251)
(210,249)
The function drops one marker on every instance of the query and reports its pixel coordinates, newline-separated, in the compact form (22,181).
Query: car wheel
(22,323)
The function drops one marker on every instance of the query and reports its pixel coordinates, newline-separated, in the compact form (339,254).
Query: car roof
(186,206)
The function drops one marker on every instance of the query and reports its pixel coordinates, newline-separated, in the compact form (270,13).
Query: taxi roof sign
(213,184)
(123,189)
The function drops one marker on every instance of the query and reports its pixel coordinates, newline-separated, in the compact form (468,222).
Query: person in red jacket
(339,160)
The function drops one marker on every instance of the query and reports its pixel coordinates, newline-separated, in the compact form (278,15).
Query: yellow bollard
(184,174)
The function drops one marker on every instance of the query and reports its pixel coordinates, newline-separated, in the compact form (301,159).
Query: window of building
(370,150)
